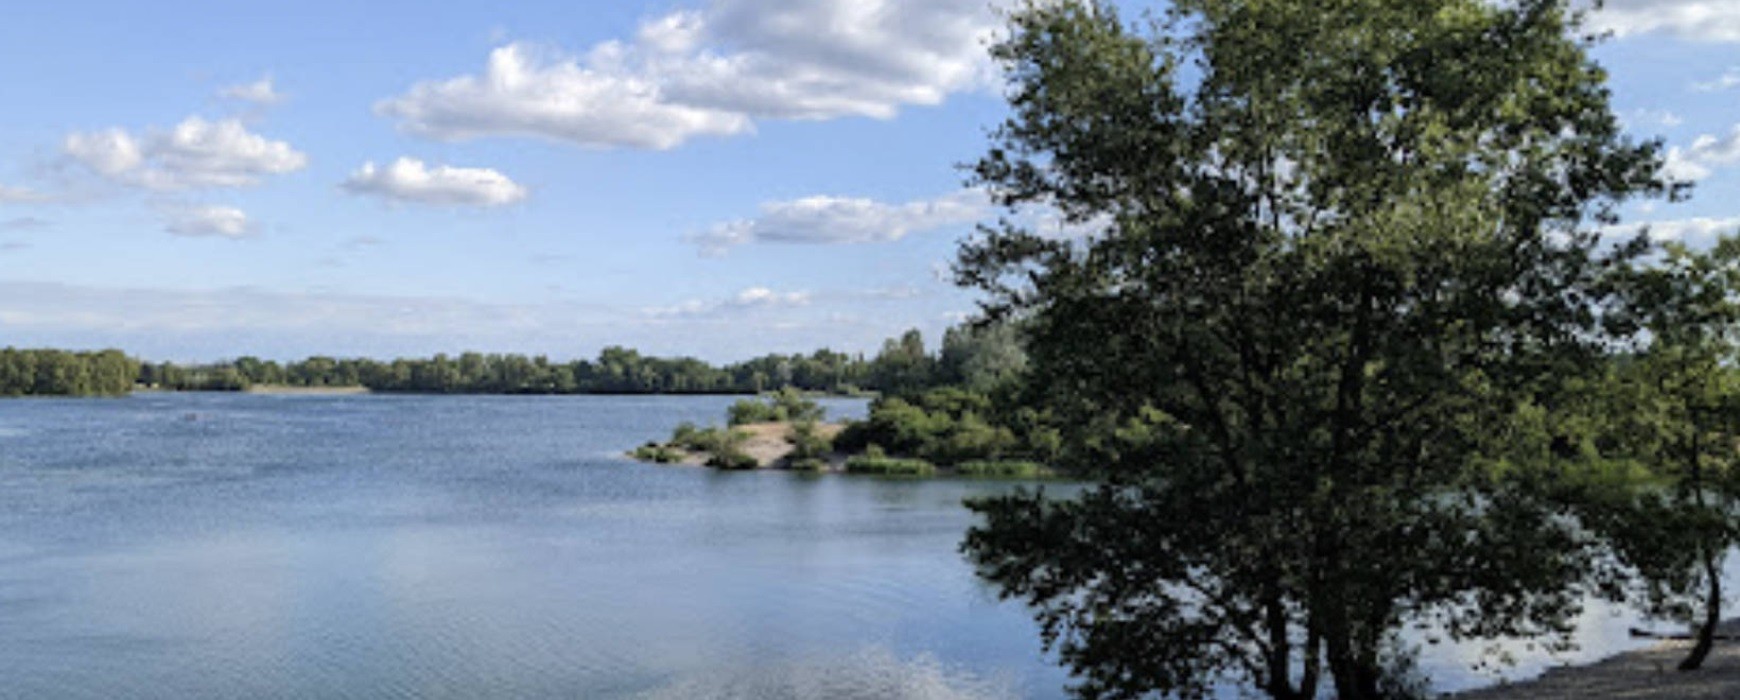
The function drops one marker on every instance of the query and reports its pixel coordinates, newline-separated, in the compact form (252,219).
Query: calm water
(175,546)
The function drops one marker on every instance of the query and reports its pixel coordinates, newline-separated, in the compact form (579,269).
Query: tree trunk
(1712,612)
(1355,677)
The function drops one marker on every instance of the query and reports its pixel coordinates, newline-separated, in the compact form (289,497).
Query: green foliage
(981,358)
(1342,248)
(889,466)
(1004,469)
(731,458)
(747,411)
(63,373)
(787,404)
(661,454)
(945,426)
(709,440)
(1671,410)
(807,441)
(808,464)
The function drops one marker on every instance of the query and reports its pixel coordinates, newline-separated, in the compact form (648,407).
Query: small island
(940,432)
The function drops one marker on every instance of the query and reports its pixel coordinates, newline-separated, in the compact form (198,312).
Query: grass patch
(889,466)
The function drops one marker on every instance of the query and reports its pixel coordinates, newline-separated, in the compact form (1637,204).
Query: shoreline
(281,390)
(1643,674)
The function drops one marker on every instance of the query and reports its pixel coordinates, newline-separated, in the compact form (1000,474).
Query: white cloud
(260,92)
(824,219)
(1725,81)
(1700,160)
(748,299)
(211,221)
(20,195)
(1680,229)
(715,71)
(521,96)
(410,180)
(1703,20)
(195,154)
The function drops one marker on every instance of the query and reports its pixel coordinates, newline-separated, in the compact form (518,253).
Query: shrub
(662,454)
(807,442)
(708,440)
(685,434)
(747,411)
(1005,469)
(790,404)
(787,405)
(889,466)
(732,459)
(808,464)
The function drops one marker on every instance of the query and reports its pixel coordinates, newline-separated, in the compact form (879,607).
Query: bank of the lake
(287,390)
(1644,674)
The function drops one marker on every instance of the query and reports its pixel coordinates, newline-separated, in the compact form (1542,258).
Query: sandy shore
(1647,674)
(275,389)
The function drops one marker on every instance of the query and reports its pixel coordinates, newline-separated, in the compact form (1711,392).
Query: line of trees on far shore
(65,373)
(903,364)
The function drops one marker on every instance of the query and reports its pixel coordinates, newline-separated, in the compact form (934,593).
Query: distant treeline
(63,373)
(903,365)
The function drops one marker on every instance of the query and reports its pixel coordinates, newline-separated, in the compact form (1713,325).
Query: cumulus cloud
(410,180)
(715,71)
(211,221)
(1704,156)
(751,298)
(260,92)
(825,219)
(1702,20)
(194,154)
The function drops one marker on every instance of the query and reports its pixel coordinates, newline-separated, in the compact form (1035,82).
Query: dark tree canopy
(1343,248)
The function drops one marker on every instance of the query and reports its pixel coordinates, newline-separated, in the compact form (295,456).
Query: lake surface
(208,545)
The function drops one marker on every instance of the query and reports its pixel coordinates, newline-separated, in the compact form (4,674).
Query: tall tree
(1340,243)
(1675,413)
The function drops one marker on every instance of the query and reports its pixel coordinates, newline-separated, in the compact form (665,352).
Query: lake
(213,545)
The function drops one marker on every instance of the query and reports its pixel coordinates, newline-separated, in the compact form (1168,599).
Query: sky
(715,178)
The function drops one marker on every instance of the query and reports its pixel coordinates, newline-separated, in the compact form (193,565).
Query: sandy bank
(1647,674)
(274,389)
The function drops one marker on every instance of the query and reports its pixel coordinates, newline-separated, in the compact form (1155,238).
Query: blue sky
(719,178)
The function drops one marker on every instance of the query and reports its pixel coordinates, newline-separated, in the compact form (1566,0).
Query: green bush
(693,439)
(732,459)
(807,464)
(747,411)
(787,404)
(685,434)
(807,442)
(662,454)
(889,466)
(1005,469)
